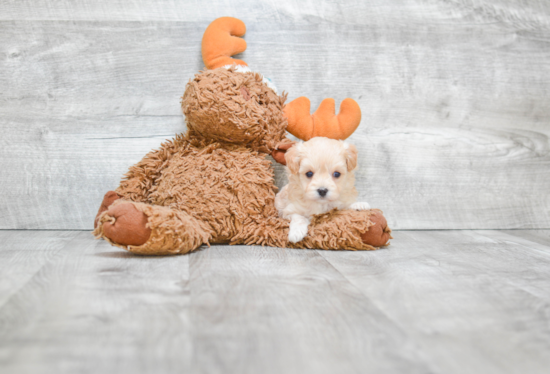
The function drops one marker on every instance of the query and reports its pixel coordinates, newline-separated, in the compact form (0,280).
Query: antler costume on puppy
(214,183)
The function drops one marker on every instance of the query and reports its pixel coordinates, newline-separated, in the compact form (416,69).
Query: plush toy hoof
(109,198)
(278,153)
(379,234)
(128,226)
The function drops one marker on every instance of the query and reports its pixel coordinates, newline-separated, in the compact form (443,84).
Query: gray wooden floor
(433,302)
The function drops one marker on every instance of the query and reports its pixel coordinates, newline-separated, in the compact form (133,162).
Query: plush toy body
(215,184)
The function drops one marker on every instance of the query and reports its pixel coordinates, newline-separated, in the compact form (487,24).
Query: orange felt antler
(324,122)
(221,41)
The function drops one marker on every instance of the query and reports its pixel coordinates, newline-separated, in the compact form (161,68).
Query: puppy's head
(322,168)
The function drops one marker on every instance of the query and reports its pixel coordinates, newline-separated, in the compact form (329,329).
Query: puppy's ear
(292,157)
(351,157)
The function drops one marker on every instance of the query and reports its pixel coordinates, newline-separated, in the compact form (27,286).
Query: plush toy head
(232,107)
(229,103)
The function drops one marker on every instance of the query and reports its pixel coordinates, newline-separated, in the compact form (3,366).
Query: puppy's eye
(309,174)
(336,174)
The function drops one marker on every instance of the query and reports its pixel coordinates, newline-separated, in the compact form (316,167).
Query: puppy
(320,178)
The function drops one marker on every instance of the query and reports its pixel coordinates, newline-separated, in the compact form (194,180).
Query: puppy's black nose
(322,192)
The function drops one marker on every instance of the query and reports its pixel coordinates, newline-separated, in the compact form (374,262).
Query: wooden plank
(472,301)
(266,310)
(100,309)
(59,179)
(343,11)
(454,100)
(537,236)
(23,254)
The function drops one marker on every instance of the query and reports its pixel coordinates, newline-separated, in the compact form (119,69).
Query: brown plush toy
(215,184)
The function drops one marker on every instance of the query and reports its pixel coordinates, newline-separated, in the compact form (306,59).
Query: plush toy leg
(149,229)
(347,229)
(337,230)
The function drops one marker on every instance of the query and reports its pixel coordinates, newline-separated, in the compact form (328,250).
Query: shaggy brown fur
(234,108)
(214,184)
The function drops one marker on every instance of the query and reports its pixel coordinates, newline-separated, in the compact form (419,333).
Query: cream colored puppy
(320,178)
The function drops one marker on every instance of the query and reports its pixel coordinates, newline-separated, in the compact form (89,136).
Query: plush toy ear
(351,157)
(292,157)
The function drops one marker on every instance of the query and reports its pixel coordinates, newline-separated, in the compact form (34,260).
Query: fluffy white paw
(297,232)
(360,206)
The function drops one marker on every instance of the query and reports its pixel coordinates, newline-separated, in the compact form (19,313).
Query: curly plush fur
(214,184)
(231,107)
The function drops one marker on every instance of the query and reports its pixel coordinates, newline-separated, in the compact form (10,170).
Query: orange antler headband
(324,122)
(221,41)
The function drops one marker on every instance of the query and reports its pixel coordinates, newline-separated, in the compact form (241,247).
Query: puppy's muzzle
(322,192)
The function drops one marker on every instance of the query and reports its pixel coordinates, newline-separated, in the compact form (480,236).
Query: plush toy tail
(221,41)
(324,122)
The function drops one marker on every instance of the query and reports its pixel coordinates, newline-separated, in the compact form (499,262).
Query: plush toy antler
(221,41)
(324,122)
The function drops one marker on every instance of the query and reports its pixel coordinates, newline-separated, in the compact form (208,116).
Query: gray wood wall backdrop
(454,96)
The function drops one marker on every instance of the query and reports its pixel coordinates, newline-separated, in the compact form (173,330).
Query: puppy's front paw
(360,206)
(297,233)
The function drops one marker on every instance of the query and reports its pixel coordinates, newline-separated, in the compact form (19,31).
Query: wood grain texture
(21,257)
(433,302)
(264,310)
(97,310)
(537,236)
(454,97)
(470,300)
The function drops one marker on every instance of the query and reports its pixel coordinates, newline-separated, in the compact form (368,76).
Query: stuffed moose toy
(215,183)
